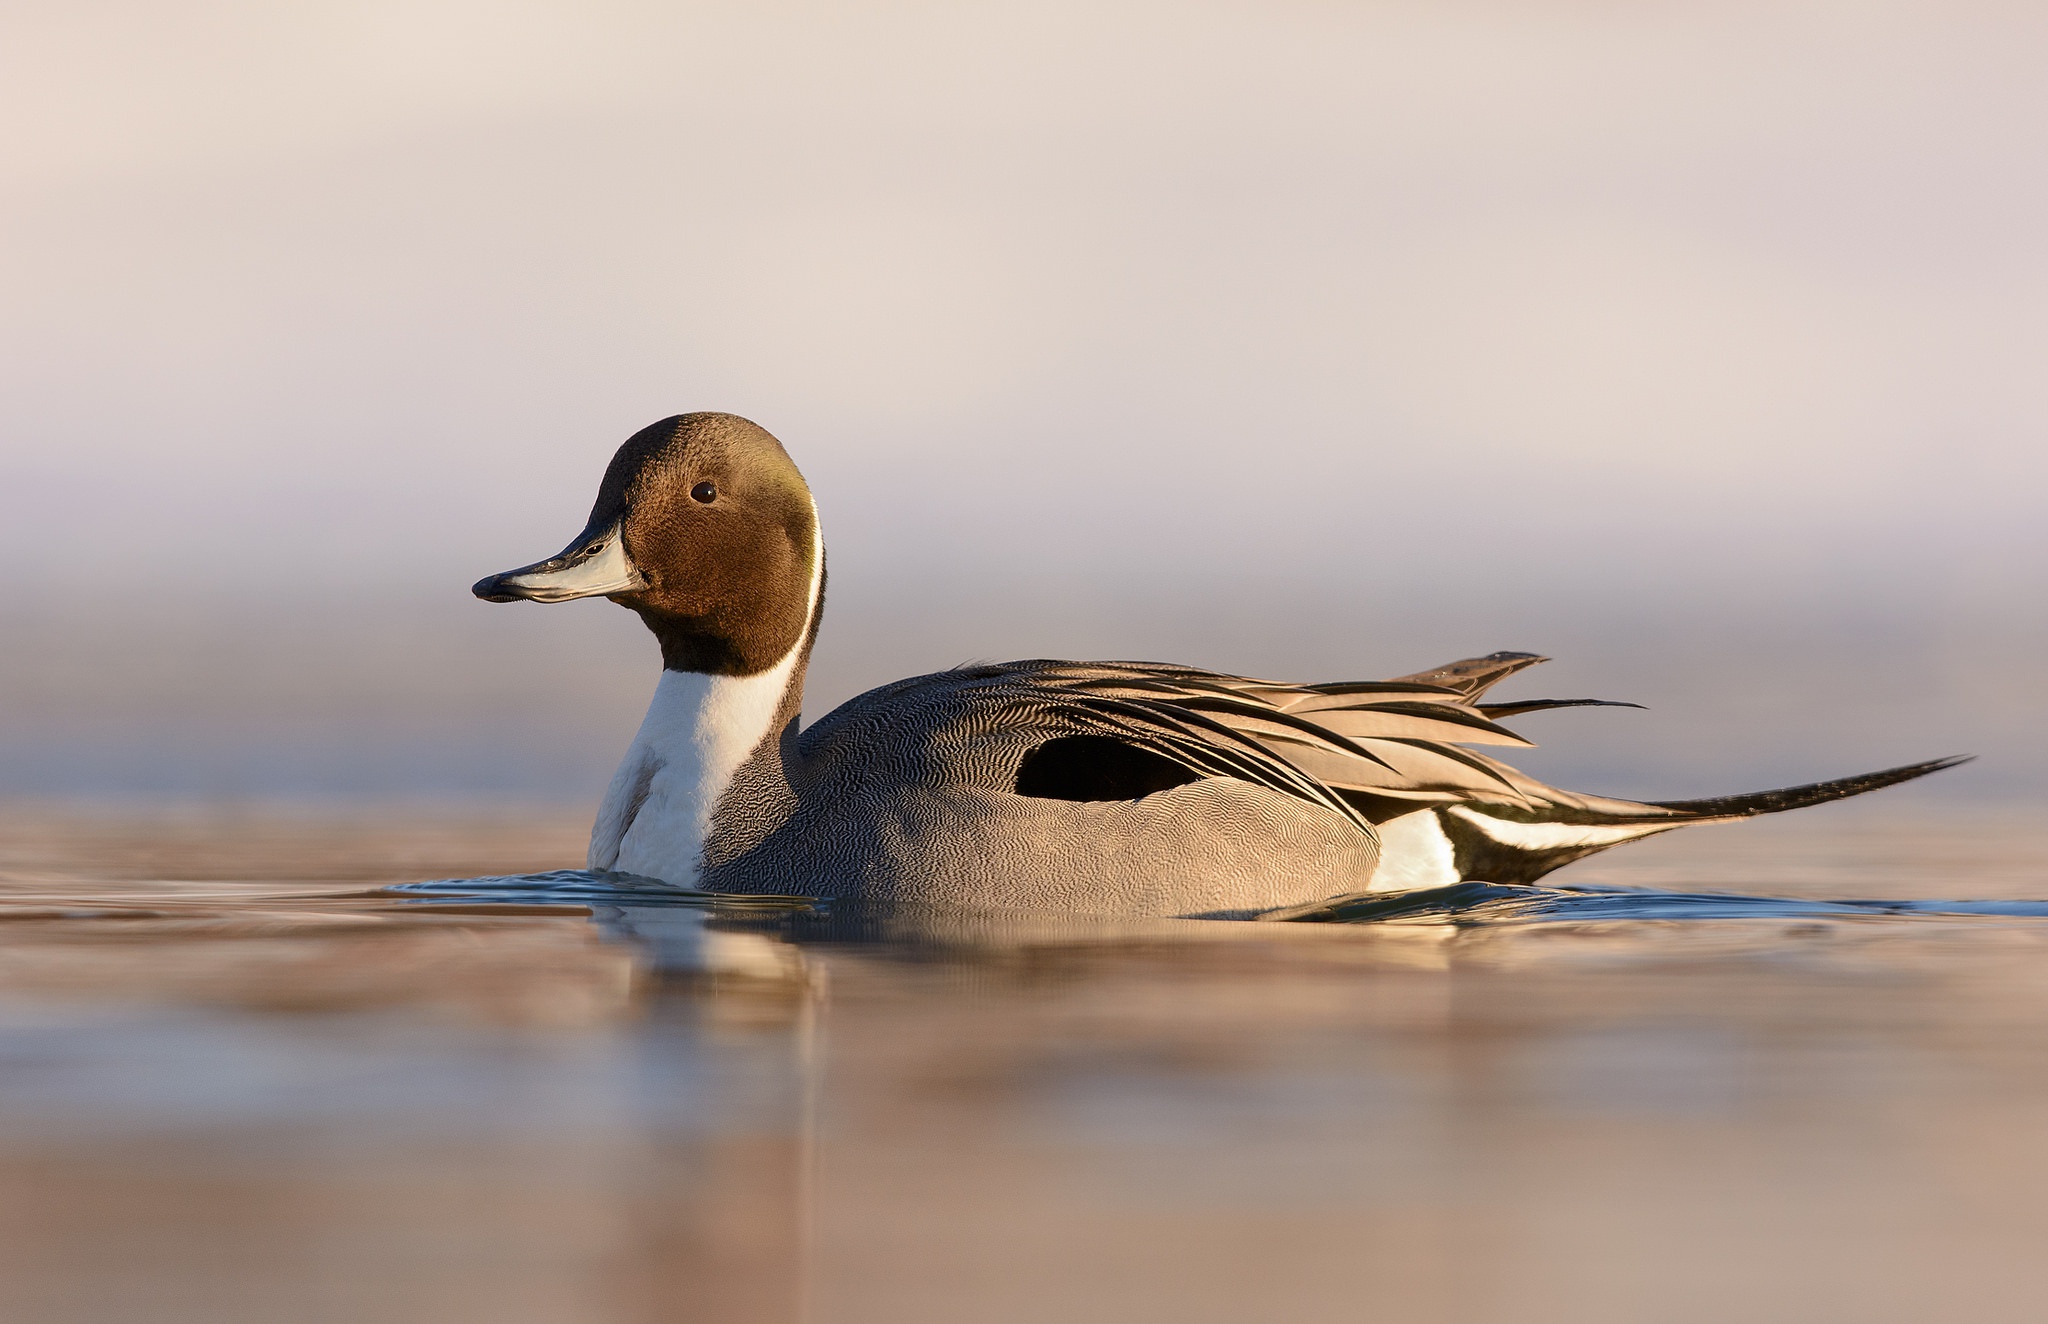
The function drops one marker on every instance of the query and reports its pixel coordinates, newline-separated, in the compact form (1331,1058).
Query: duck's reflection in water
(718,1225)
(714,1222)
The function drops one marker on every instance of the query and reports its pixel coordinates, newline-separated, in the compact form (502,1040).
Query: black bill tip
(491,588)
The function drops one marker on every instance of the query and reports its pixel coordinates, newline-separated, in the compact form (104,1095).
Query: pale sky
(1278,334)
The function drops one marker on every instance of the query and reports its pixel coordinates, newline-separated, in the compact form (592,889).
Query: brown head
(706,529)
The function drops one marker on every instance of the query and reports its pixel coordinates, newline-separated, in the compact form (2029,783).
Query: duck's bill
(595,565)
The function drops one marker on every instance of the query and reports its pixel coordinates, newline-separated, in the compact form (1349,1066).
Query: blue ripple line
(1494,903)
(566,887)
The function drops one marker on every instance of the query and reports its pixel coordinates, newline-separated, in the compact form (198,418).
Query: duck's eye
(594,548)
(705,492)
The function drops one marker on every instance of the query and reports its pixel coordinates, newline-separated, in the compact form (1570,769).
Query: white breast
(698,731)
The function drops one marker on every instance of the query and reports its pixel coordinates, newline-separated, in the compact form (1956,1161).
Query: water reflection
(551,1096)
(626,905)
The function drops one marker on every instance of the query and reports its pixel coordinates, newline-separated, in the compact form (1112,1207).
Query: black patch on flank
(1097,768)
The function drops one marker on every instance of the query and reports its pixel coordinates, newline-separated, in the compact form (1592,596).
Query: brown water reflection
(273,1091)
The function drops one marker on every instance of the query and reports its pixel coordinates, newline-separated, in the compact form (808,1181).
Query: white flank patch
(1414,852)
(1555,836)
(656,814)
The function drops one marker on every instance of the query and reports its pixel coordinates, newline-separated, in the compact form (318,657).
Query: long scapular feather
(1198,741)
(1450,722)
(1474,676)
(1388,756)
(1499,710)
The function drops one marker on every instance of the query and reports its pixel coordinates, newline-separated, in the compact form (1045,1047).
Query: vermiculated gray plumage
(911,792)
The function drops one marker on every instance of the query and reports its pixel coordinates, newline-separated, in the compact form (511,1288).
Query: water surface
(252,1069)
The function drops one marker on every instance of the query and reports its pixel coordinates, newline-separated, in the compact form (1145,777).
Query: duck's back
(1044,785)
(1132,787)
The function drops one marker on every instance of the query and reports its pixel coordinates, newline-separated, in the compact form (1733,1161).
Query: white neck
(656,815)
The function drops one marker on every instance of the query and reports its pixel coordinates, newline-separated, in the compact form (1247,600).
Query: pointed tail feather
(1799,797)
(1500,844)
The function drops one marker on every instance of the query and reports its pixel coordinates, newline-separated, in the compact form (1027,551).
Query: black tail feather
(1799,797)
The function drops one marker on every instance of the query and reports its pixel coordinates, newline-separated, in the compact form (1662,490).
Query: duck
(1125,788)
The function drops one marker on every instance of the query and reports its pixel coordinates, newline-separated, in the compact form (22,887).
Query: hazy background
(1699,345)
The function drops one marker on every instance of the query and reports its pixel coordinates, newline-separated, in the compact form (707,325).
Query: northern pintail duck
(1128,787)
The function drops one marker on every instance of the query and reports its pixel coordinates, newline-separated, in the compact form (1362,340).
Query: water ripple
(1494,903)
(1461,904)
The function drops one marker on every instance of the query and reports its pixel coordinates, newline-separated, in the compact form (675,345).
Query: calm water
(246,1075)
